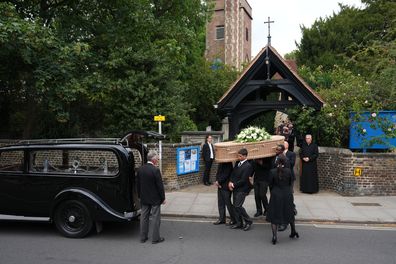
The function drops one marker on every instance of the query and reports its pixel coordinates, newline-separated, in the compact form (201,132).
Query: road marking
(357,227)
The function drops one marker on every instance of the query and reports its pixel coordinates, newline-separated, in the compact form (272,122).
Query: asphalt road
(190,242)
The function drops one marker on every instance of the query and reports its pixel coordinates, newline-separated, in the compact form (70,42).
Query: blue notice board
(359,141)
(187,160)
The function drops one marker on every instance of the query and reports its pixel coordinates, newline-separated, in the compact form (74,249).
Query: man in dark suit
(241,186)
(208,157)
(223,193)
(152,195)
(291,157)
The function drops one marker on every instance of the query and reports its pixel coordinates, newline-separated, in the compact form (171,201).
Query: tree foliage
(350,60)
(100,68)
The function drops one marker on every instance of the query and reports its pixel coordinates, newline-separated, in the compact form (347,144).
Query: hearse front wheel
(72,219)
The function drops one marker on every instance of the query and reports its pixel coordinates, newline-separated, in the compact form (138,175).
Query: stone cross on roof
(269,29)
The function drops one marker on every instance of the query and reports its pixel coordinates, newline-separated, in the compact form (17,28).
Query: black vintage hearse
(74,182)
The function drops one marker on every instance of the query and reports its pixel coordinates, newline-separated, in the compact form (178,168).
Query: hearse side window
(74,162)
(11,160)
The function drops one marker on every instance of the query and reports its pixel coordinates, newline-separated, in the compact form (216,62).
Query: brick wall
(336,172)
(172,181)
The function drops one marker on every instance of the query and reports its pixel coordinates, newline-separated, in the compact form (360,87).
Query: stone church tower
(229,33)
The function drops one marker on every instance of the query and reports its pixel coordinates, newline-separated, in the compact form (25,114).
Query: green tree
(98,67)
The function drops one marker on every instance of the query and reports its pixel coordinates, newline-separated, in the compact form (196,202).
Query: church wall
(336,172)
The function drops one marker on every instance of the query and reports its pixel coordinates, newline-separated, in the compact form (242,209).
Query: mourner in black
(223,193)
(208,154)
(291,157)
(240,185)
(309,182)
(280,208)
(152,195)
(262,169)
(292,137)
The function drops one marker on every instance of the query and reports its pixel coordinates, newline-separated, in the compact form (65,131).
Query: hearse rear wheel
(72,219)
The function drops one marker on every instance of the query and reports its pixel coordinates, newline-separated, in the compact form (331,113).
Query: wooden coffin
(228,151)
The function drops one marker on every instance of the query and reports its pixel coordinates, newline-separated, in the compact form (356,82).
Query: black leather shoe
(293,235)
(218,222)
(143,240)
(282,227)
(265,213)
(247,227)
(274,240)
(258,214)
(236,227)
(158,241)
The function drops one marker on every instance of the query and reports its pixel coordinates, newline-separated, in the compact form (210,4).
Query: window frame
(220,27)
(65,173)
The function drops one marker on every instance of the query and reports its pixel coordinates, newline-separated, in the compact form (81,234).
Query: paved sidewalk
(201,201)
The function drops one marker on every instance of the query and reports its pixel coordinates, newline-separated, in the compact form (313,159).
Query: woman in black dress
(281,208)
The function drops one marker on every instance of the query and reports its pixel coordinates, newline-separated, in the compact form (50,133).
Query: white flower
(366,102)
(330,114)
(389,129)
(252,134)
(335,106)
(364,130)
(373,114)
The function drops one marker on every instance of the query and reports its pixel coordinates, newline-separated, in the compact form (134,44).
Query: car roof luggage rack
(71,140)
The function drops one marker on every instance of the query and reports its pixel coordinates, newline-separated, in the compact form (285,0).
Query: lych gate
(268,83)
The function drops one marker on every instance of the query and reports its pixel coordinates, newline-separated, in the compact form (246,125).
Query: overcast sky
(288,16)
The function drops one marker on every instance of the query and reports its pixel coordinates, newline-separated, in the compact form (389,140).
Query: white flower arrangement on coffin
(252,134)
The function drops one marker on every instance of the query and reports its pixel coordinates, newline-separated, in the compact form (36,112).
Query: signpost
(159,119)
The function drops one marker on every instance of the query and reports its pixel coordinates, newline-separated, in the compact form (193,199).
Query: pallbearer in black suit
(262,169)
(291,157)
(152,195)
(223,193)
(240,185)
(208,157)
(309,182)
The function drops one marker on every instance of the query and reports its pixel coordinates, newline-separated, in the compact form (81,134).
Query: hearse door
(12,182)
(41,185)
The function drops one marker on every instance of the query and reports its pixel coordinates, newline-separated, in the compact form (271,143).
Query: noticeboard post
(159,119)
(187,160)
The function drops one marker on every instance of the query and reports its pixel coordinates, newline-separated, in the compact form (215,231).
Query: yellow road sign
(159,118)
(357,171)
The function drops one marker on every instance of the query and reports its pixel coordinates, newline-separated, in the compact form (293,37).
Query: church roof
(257,70)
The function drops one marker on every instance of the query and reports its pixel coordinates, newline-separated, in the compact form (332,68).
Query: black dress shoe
(258,214)
(247,227)
(265,213)
(293,235)
(161,239)
(143,240)
(236,226)
(218,222)
(230,223)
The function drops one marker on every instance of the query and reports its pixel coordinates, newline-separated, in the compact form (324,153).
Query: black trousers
(260,195)
(208,165)
(223,201)
(241,217)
